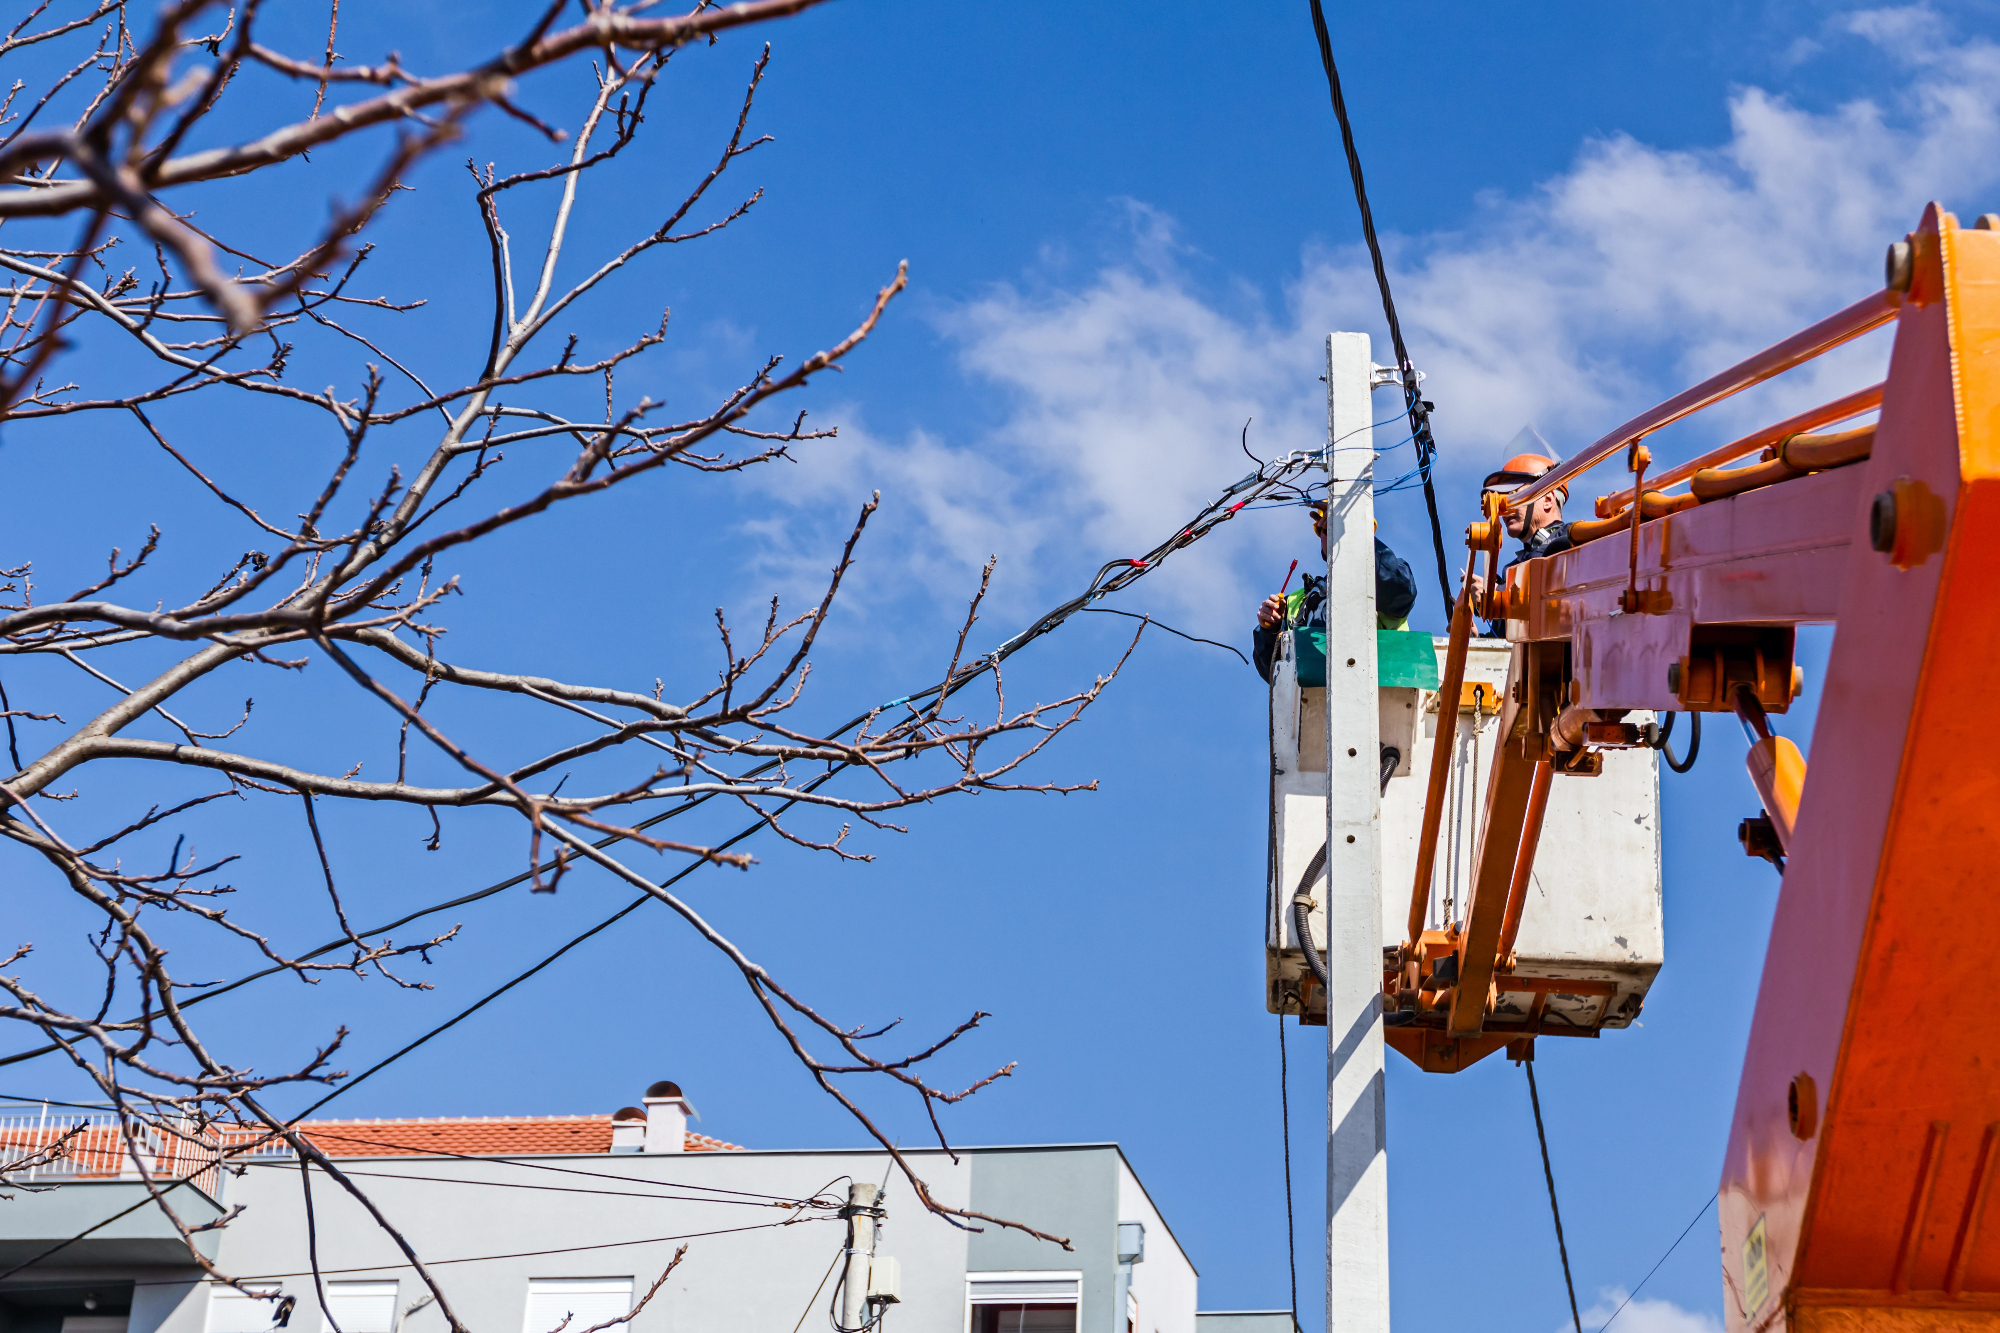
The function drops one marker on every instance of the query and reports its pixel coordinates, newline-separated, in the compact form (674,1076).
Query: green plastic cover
(1402,657)
(1309,653)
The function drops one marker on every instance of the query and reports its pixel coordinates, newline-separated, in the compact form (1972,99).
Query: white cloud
(1632,273)
(1646,1316)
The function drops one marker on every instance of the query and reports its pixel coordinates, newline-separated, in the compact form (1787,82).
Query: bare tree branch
(375,491)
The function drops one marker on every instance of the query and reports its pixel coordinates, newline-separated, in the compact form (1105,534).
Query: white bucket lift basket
(1593,910)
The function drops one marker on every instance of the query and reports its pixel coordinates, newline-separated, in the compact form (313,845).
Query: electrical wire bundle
(1275,477)
(1117,575)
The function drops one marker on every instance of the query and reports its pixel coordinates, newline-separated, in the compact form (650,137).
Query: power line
(1111,577)
(561,1189)
(1191,638)
(447,1025)
(813,1299)
(1656,1267)
(1114,576)
(1285,1115)
(1418,410)
(145,1200)
(1548,1172)
(490,1258)
(47,1101)
(527,1165)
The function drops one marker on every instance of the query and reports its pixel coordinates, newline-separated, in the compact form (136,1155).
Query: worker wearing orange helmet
(1539,527)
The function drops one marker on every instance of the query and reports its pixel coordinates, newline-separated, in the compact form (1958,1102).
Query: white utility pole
(1357,1162)
(861,1213)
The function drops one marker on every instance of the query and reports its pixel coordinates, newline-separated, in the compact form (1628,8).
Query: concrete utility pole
(861,1213)
(1357,1162)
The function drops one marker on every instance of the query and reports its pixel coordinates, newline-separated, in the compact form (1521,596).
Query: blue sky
(1128,228)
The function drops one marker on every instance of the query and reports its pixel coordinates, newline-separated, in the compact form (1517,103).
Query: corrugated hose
(1302,902)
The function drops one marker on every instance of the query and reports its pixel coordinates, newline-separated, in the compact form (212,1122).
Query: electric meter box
(1593,912)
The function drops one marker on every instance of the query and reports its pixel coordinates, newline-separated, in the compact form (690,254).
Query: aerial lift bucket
(1582,935)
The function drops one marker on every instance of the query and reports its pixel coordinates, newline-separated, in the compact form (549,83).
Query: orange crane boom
(1857,1187)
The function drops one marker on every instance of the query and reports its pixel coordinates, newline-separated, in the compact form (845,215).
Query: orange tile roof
(482,1136)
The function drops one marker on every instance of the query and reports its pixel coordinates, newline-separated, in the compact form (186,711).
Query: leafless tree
(156,129)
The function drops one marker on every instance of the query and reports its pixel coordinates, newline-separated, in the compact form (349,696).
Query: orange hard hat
(1518,471)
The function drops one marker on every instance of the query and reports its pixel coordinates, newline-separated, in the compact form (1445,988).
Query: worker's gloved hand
(1272,612)
(1479,590)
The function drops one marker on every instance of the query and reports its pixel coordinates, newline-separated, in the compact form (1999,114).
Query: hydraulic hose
(1302,903)
(1694,742)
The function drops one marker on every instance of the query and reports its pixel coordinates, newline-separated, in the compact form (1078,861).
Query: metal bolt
(1882,522)
(1899,267)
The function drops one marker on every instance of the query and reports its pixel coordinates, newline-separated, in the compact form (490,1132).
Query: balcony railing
(44,1147)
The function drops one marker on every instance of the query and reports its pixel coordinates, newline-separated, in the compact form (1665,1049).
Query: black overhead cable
(1413,402)
(213,1282)
(320,1132)
(1113,577)
(1656,1266)
(551,1189)
(1534,1099)
(1285,1113)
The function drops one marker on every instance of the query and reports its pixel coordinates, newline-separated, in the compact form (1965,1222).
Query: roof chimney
(667,1112)
(628,1129)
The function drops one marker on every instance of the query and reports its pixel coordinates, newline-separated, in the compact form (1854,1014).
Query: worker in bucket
(1539,527)
(1395,594)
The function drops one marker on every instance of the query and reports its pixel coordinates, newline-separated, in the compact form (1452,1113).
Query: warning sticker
(1756,1270)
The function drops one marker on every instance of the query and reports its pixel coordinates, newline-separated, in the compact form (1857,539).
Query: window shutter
(361,1307)
(584,1301)
(1015,1291)
(230,1311)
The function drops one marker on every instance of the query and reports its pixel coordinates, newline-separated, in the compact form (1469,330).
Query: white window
(361,1307)
(230,1311)
(1023,1302)
(585,1302)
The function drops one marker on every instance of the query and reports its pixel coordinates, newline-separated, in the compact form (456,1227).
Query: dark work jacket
(1395,595)
(1553,538)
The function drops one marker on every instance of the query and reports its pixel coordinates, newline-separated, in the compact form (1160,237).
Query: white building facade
(521,1237)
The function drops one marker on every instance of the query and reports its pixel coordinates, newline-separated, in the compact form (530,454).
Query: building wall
(741,1271)
(485,1227)
(1164,1282)
(1070,1192)
(1081,1193)
(1244,1321)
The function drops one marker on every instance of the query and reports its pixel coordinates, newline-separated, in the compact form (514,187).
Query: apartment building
(528,1222)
